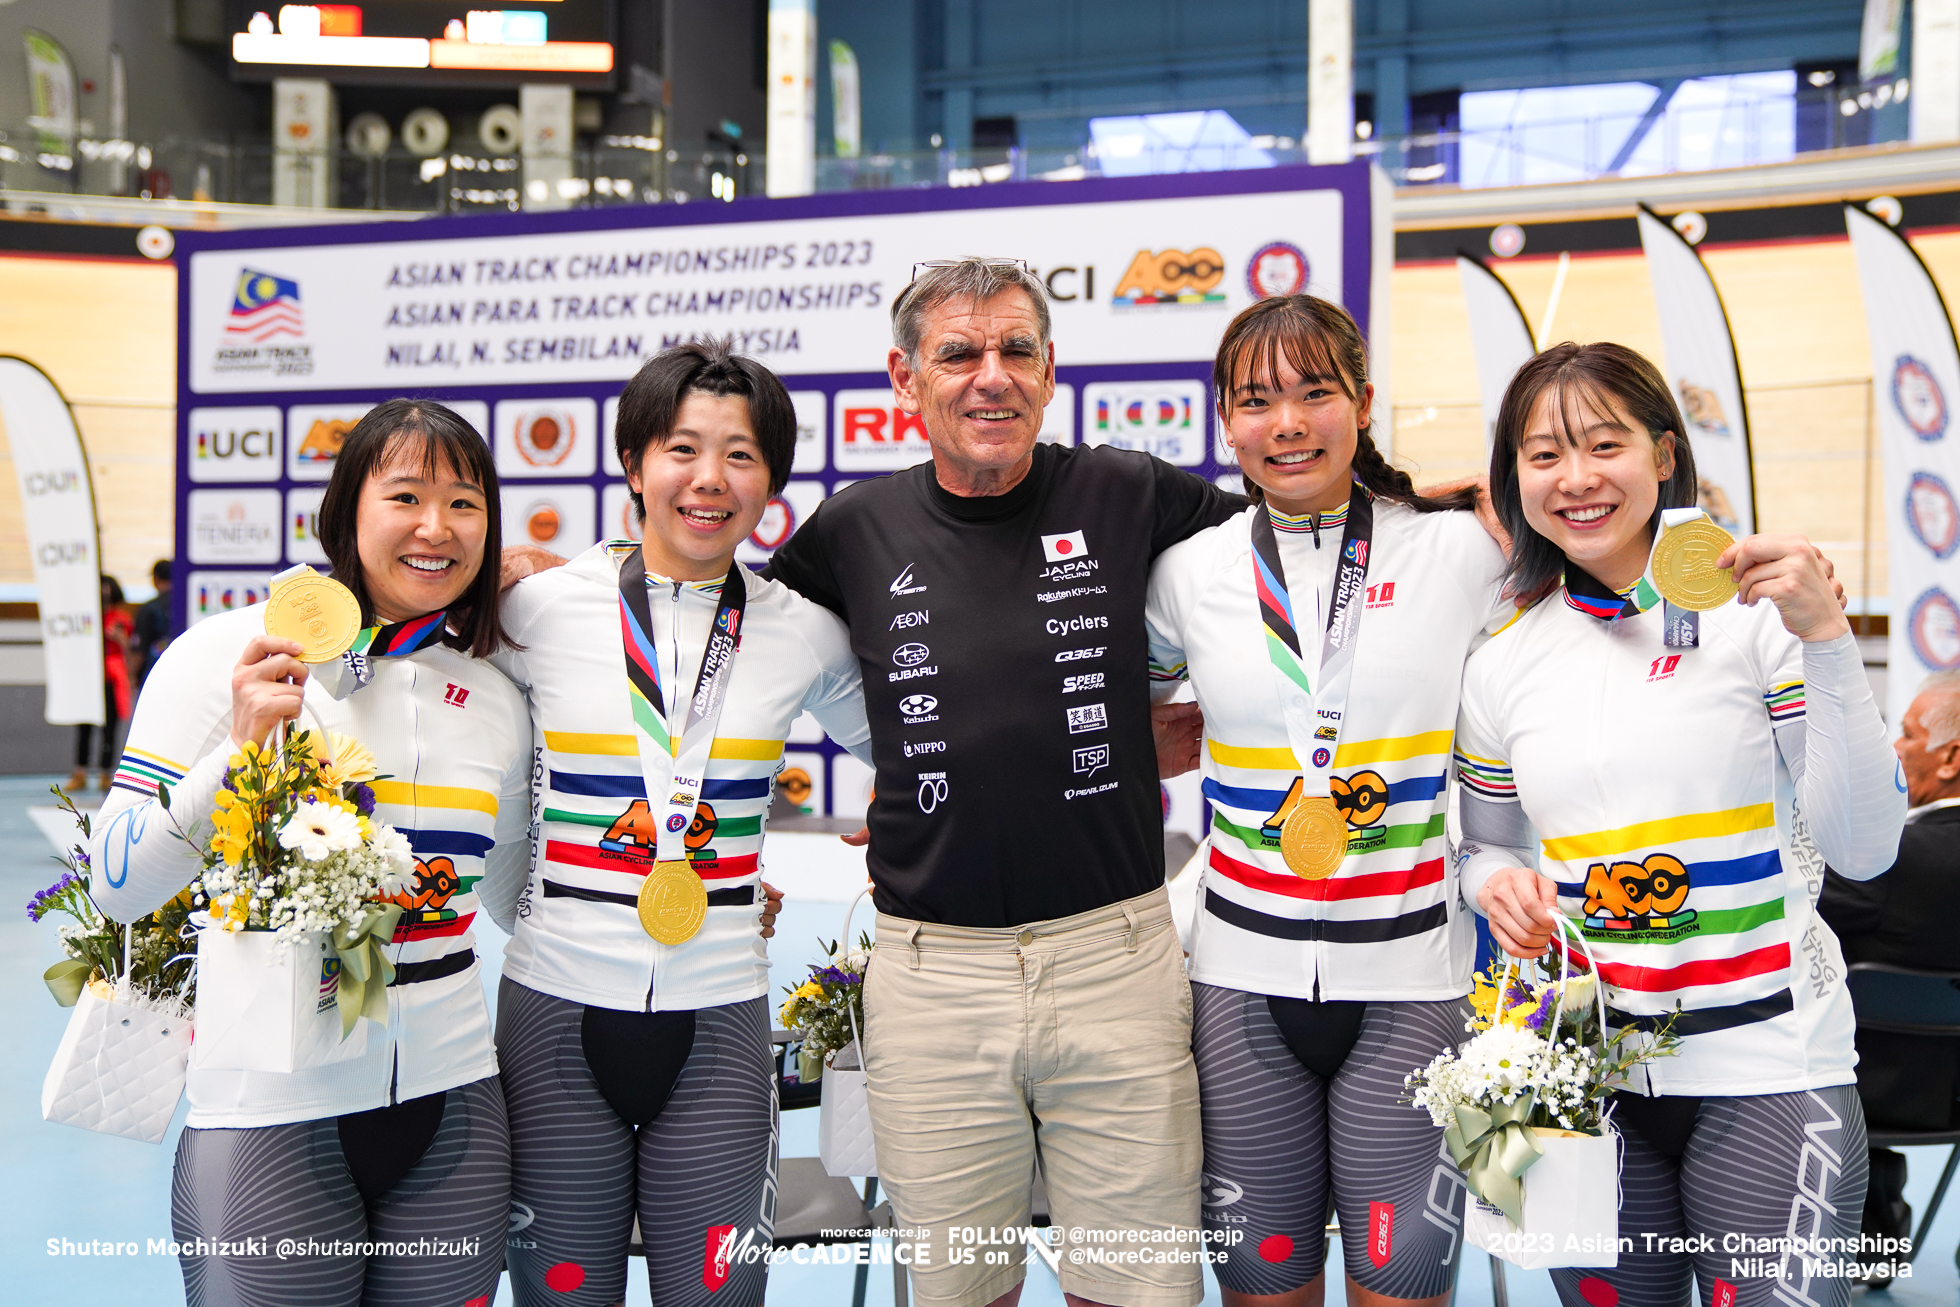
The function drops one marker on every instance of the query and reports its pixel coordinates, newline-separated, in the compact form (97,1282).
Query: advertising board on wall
(530,325)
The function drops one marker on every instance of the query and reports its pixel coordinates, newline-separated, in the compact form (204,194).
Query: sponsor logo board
(234,444)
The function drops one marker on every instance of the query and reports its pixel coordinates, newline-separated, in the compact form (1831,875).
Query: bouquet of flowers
(294,851)
(821,1008)
(1539,1063)
(159,975)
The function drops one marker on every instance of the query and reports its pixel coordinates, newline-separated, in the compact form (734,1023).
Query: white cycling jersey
(1686,801)
(451,734)
(578,934)
(1387,925)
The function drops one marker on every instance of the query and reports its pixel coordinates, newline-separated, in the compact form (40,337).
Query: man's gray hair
(974,279)
(1941,715)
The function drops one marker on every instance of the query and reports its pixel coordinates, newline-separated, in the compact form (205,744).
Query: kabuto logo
(918,708)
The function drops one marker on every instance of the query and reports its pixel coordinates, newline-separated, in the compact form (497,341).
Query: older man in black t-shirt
(1029,989)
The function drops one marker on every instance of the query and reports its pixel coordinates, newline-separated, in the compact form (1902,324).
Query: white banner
(846,131)
(1915,379)
(1701,367)
(1330,81)
(1499,332)
(1137,281)
(791,101)
(58,505)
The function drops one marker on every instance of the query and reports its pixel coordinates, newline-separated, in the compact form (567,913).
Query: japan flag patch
(1064,548)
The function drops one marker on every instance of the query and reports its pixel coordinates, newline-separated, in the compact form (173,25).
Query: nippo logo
(1276,268)
(1917,395)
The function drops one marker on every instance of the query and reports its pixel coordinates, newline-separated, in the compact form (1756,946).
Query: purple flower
(1543,1012)
(363,799)
(81,857)
(38,906)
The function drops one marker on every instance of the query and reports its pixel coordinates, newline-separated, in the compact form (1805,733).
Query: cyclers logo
(902,584)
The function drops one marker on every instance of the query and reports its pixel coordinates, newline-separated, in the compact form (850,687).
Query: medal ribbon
(1681,627)
(355,668)
(1313,719)
(675,764)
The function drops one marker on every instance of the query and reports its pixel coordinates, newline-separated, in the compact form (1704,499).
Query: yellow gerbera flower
(351,762)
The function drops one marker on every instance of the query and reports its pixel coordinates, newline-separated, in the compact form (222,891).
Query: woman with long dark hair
(1675,779)
(1324,631)
(406,1142)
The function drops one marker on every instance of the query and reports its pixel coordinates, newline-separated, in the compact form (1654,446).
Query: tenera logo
(1381,1232)
(874,435)
(717,1253)
(1064,548)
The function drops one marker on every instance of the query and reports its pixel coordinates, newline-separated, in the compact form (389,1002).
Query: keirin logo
(932,790)
(902,584)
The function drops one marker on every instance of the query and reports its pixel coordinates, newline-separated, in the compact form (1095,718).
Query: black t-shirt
(1006,677)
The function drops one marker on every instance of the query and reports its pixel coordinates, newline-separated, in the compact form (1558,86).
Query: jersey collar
(1596,599)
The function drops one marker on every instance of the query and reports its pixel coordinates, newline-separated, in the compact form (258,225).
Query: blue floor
(59,1183)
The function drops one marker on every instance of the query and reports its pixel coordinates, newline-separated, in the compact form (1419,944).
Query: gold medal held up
(1313,839)
(1684,566)
(317,612)
(673,903)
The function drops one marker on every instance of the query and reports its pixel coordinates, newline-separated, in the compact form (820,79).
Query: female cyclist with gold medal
(632,1020)
(1673,770)
(404,1141)
(1324,632)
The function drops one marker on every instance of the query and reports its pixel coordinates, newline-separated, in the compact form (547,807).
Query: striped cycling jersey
(1387,924)
(578,934)
(451,736)
(1656,783)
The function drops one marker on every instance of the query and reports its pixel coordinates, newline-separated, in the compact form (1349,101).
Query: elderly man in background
(1904,918)
(1028,997)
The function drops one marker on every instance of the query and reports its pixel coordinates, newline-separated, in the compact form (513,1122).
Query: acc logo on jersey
(427,899)
(1935,630)
(1363,799)
(1277,268)
(1932,514)
(1917,395)
(1646,897)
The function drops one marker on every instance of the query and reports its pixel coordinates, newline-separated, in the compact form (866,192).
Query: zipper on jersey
(1313,521)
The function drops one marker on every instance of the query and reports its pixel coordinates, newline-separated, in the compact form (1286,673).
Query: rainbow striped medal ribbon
(1680,565)
(673,902)
(1313,833)
(355,668)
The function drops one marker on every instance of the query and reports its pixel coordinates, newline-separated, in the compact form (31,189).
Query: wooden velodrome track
(105,330)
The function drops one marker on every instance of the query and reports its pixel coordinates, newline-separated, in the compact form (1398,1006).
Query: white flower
(397,859)
(1578,992)
(318,830)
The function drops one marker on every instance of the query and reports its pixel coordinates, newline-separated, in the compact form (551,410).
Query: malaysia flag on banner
(265,306)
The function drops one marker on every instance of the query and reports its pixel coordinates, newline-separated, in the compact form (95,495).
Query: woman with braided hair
(1324,631)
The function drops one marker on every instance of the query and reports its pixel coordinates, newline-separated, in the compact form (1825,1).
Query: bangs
(1578,403)
(429,448)
(1252,355)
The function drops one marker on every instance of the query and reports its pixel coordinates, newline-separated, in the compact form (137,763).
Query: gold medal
(1313,839)
(1684,566)
(673,903)
(317,612)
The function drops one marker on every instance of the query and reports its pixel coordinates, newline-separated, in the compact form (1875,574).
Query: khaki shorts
(1069,1038)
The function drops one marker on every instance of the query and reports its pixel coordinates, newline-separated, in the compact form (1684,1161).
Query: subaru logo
(910,655)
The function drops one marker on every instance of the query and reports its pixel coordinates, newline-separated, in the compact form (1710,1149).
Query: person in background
(153,625)
(1903,918)
(116,631)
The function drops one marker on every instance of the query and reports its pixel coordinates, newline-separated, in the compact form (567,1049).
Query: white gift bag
(1571,1207)
(1572,1192)
(262,1006)
(844,1139)
(119,1068)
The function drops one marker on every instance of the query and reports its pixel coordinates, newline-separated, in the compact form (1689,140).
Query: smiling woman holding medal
(405,1139)
(1656,751)
(1324,631)
(663,678)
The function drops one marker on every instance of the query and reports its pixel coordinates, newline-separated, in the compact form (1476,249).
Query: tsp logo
(1643,897)
(1171,277)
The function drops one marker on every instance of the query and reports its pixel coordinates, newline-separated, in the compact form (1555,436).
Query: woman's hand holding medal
(266,686)
(1794,575)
